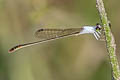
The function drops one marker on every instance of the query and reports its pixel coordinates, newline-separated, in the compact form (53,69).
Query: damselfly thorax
(46,34)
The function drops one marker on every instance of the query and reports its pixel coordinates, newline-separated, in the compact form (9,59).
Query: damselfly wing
(56,33)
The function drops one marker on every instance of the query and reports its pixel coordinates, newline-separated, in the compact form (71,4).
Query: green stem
(110,41)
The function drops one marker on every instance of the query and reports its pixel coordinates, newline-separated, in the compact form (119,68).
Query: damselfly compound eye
(98,26)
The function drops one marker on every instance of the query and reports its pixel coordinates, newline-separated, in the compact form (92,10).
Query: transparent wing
(56,33)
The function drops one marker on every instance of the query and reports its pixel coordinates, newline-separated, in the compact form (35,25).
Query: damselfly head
(98,27)
(98,30)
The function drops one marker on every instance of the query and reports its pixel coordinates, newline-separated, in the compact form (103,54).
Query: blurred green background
(73,58)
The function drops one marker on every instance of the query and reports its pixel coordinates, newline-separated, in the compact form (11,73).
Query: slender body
(46,35)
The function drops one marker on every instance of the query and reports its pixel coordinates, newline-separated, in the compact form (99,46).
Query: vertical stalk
(109,38)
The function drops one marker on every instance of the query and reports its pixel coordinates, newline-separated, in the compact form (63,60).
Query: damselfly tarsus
(51,34)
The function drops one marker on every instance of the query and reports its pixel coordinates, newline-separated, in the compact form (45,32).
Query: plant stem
(109,38)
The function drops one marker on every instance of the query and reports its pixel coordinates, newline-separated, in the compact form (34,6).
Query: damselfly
(52,34)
